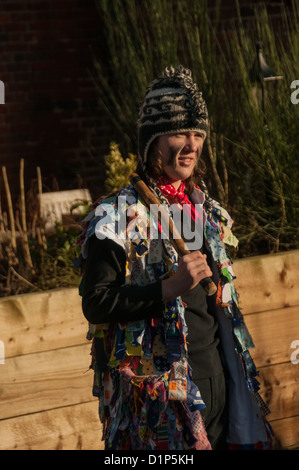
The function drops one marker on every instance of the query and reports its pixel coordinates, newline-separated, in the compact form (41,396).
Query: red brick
(13,6)
(37,5)
(16,26)
(23,16)
(17,67)
(16,46)
(5,17)
(63,5)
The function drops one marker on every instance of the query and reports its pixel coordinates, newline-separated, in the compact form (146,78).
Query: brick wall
(51,112)
(51,116)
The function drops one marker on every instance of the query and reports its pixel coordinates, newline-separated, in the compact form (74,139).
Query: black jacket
(106,300)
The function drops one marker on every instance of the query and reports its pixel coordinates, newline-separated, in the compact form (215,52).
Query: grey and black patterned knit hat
(172,103)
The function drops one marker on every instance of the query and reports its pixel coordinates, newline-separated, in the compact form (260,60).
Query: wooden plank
(272,333)
(42,321)
(53,319)
(78,428)
(268,282)
(47,357)
(279,389)
(69,428)
(46,380)
(286,433)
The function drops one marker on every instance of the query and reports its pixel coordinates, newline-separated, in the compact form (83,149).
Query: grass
(253,148)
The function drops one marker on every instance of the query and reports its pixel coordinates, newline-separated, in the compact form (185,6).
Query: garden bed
(46,384)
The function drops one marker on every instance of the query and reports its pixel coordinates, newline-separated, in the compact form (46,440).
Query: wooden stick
(41,236)
(10,210)
(174,236)
(5,221)
(24,233)
(225,174)
(21,278)
(39,186)
(34,219)
(22,192)
(2,228)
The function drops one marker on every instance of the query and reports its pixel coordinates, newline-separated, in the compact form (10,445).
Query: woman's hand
(192,268)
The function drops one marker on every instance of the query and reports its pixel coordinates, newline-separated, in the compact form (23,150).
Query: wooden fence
(268,288)
(45,381)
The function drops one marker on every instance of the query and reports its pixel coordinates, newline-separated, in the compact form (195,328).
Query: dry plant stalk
(225,173)
(23,227)
(40,231)
(33,228)
(40,190)
(219,185)
(21,278)
(10,210)
(14,230)
(2,228)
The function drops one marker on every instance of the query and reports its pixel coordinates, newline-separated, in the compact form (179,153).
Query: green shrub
(251,155)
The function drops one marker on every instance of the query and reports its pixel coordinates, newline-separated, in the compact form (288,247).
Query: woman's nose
(192,143)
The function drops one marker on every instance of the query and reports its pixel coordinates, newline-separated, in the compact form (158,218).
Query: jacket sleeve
(104,298)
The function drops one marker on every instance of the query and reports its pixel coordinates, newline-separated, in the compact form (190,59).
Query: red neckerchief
(179,195)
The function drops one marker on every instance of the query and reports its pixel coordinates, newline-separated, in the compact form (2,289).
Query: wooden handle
(178,243)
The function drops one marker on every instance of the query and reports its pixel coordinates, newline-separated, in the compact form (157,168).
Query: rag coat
(147,399)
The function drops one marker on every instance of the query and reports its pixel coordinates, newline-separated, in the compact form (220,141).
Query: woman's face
(179,153)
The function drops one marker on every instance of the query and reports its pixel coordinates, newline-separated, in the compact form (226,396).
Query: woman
(172,367)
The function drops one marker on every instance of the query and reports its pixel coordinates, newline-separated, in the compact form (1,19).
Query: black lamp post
(261,73)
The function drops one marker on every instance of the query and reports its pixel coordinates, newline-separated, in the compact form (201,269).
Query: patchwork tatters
(148,399)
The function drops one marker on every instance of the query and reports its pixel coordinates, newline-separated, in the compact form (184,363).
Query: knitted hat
(172,103)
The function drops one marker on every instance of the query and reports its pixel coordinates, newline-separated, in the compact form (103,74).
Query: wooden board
(273,333)
(41,322)
(268,282)
(74,427)
(46,380)
(280,390)
(53,319)
(286,433)
(46,397)
(78,428)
